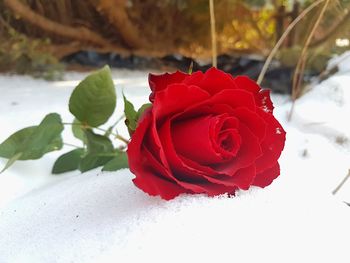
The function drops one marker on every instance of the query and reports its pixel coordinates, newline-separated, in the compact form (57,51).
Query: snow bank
(103,217)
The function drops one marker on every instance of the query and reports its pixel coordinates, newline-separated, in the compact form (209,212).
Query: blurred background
(43,37)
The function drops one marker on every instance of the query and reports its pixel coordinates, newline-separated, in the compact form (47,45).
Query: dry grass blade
(341,183)
(299,70)
(283,37)
(213,33)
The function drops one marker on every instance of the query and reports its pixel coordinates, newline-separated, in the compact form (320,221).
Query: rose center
(208,139)
(227,143)
(228,140)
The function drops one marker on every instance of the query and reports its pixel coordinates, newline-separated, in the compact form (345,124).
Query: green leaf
(78,131)
(130,115)
(93,101)
(68,161)
(11,161)
(120,161)
(142,110)
(33,142)
(100,150)
(97,143)
(91,161)
(45,138)
(12,145)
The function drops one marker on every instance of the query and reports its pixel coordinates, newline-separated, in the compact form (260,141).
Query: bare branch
(76,33)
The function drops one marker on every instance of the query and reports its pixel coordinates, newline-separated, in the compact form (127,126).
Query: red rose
(205,133)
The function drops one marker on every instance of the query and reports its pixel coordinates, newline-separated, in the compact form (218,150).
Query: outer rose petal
(243,82)
(194,78)
(160,82)
(146,178)
(176,98)
(253,121)
(266,177)
(242,179)
(154,185)
(262,97)
(215,80)
(273,143)
(233,97)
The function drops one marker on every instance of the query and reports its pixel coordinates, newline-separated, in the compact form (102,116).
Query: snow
(103,217)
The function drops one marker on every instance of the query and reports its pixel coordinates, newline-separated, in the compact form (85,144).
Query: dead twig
(299,70)
(283,37)
(213,33)
(77,33)
(341,183)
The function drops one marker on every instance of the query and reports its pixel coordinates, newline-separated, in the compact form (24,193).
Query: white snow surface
(102,217)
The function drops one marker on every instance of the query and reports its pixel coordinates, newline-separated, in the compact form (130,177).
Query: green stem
(117,136)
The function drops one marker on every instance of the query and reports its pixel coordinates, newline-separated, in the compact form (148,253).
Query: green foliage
(120,161)
(100,150)
(33,142)
(92,103)
(78,131)
(68,161)
(142,110)
(130,115)
(22,55)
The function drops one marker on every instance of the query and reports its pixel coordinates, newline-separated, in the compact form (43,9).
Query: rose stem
(117,136)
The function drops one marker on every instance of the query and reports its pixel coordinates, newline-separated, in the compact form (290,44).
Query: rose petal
(160,82)
(252,120)
(266,177)
(191,138)
(248,153)
(244,82)
(194,78)
(193,181)
(147,179)
(154,185)
(187,171)
(234,98)
(178,166)
(262,97)
(135,144)
(156,166)
(201,138)
(203,110)
(175,98)
(263,101)
(243,178)
(273,143)
(215,80)
(228,143)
